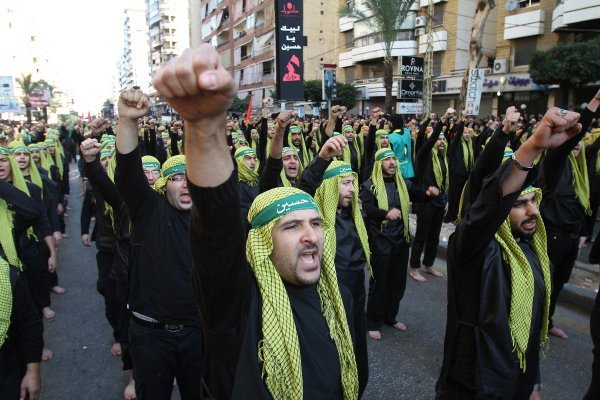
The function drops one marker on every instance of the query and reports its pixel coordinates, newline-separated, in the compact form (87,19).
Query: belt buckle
(173,327)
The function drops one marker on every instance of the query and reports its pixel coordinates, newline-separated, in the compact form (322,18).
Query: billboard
(8,105)
(329,84)
(39,98)
(6,87)
(289,49)
(474,88)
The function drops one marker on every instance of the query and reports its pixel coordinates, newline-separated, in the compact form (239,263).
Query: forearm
(49,240)
(276,143)
(208,161)
(526,155)
(127,137)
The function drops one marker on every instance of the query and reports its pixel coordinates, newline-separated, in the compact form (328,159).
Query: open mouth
(309,258)
(529,225)
(185,198)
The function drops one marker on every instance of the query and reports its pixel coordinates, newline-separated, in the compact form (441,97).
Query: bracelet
(520,166)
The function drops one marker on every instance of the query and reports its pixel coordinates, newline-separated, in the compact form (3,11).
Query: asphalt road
(402,365)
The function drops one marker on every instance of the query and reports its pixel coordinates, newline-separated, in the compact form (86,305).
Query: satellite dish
(511,5)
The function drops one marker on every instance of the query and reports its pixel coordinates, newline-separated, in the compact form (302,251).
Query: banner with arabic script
(289,51)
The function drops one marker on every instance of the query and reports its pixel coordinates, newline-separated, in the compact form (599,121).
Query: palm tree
(387,17)
(27,85)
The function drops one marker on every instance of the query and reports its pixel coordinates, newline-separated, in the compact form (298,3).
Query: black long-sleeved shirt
(390,239)
(161,259)
(455,155)
(560,207)
(229,302)
(424,173)
(24,342)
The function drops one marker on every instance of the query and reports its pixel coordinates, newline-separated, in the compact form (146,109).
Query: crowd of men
(232,250)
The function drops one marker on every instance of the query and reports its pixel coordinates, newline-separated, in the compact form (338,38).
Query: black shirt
(161,259)
(230,306)
(349,253)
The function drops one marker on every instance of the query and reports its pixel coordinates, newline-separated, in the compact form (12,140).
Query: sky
(84,42)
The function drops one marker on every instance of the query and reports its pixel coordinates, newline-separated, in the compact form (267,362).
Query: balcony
(346,24)
(439,40)
(376,51)
(574,14)
(425,3)
(523,25)
(345,59)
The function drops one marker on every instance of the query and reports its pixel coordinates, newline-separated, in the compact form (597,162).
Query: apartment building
(168,27)
(243,31)
(134,69)
(513,31)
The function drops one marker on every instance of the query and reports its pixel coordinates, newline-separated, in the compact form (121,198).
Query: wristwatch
(520,166)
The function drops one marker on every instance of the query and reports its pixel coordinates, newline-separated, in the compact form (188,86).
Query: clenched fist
(133,104)
(196,85)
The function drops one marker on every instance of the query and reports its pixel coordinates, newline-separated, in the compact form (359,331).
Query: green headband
(343,169)
(34,147)
(105,153)
(165,135)
(24,149)
(49,142)
(151,165)
(279,208)
(4,150)
(288,150)
(244,152)
(347,128)
(295,129)
(508,153)
(175,169)
(387,153)
(335,134)
(381,132)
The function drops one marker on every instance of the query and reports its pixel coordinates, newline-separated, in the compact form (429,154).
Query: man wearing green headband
(461,160)
(21,328)
(248,178)
(46,249)
(151,167)
(565,205)
(499,280)
(283,165)
(386,201)
(114,247)
(335,187)
(431,169)
(165,337)
(274,316)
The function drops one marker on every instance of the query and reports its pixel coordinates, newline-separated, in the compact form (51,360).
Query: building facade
(134,69)
(168,28)
(243,31)
(513,31)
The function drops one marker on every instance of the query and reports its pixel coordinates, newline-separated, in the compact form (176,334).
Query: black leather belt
(157,325)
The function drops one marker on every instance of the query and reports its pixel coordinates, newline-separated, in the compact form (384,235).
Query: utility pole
(428,84)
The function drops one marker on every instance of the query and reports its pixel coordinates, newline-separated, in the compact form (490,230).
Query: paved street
(403,365)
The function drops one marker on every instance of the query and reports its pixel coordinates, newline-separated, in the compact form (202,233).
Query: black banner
(289,50)
(412,67)
(410,89)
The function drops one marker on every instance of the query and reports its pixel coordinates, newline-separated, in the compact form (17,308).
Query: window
(438,14)
(267,67)
(524,48)
(244,52)
(349,37)
(528,3)
(437,63)
(349,74)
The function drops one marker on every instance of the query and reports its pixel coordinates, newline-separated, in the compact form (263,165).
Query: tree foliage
(567,65)
(345,93)
(386,18)
(240,105)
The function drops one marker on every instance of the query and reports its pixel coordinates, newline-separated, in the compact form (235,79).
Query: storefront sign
(410,89)
(410,108)
(412,67)
(474,88)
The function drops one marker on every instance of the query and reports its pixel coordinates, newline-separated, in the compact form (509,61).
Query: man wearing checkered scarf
(165,338)
(274,317)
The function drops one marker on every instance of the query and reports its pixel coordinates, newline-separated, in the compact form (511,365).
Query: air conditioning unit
(361,92)
(420,31)
(420,21)
(500,67)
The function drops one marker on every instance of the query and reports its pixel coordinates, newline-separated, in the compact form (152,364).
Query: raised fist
(333,147)
(89,149)
(556,127)
(133,104)
(196,85)
(337,111)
